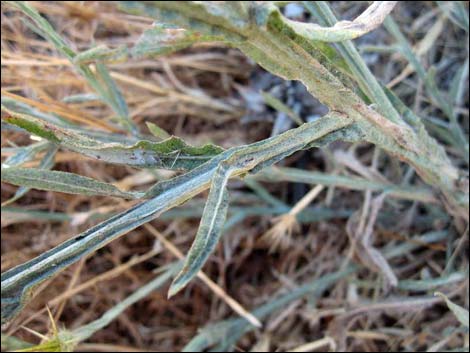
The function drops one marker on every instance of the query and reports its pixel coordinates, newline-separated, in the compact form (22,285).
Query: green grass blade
(275,103)
(456,12)
(432,283)
(25,154)
(14,215)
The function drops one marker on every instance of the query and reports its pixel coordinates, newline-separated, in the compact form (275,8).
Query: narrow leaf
(157,131)
(456,12)
(70,183)
(209,232)
(25,154)
(322,12)
(172,153)
(369,20)
(460,313)
(101,53)
(275,103)
(46,163)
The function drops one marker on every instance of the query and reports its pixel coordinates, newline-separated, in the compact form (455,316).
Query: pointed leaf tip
(209,232)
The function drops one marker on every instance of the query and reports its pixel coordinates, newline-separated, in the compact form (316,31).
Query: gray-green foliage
(210,228)
(62,182)
(262,33)
(19,282)
(460,313)
(288,49)
(172,153)
(26,154)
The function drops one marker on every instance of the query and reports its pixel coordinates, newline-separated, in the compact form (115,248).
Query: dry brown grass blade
(108,275)
(361,235)
(311,346)
(279,237)
(340,325)
(72,283)
(421,49)
(59,108)
(219,291)
(208,102)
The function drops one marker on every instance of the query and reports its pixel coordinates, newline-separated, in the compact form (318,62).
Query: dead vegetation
(280,234)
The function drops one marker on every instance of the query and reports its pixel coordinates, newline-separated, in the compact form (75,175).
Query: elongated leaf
(111,94)
(432,283)
(209,231)
(349,182)
(367,81)
(25,154)
(46,163)
(185,22)
(70,183)
(172,153)
(179,26)
(460,313)
(12,215)
(456,12)
(240,161)
(275,103)
(18,283)
(157,131)
(346,30)
(80,98)
(102,53)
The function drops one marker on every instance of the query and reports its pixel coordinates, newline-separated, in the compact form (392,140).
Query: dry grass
(195,94)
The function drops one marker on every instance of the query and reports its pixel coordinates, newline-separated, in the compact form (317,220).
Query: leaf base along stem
(18,283)
(260,31)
